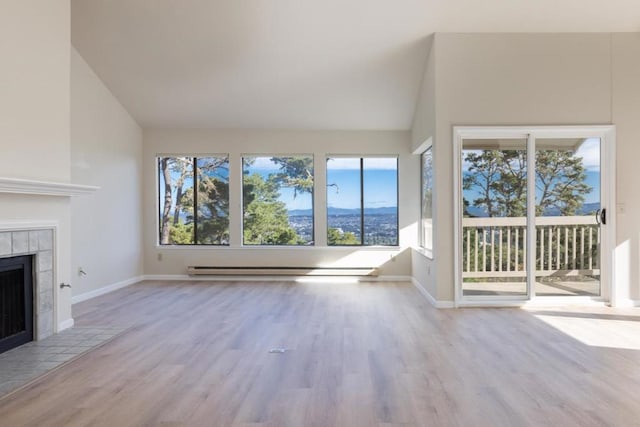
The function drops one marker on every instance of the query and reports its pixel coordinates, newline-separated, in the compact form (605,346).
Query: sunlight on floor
(327,279)
(596,329)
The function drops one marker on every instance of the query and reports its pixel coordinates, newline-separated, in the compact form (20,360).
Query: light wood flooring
(368,354)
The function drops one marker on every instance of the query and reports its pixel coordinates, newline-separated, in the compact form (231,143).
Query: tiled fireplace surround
(39,242)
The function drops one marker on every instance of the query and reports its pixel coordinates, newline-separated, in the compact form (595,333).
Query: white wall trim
(625,303)
(106,289)
(65,324)
(21,225)
(44,188)
(434,302)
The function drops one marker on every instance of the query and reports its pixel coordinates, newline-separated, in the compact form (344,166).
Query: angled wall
(106,151)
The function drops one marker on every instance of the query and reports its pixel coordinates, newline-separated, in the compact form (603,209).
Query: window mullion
(195,200)
(361,201)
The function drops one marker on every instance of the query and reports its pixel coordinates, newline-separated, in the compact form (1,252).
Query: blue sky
(264,166)
(380,183)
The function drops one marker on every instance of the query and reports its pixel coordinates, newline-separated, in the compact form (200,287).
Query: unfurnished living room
(319,213)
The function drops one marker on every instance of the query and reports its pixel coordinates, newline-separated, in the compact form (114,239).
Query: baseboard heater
(280,271)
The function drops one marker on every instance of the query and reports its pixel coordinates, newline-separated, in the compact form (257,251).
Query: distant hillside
(339,211)
(587,208)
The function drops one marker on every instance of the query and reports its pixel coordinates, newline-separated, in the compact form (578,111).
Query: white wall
(626,117)
(34,118)
(106,151)
(175,260)
(533,79)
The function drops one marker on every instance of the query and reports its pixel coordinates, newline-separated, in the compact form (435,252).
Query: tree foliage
(178,215)
(337,237)
(499,177)
(266,221)
(266,218)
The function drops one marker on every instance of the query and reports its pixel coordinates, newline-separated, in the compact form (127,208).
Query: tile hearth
(23,364)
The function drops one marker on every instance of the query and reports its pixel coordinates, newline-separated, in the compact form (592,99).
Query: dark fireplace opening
(16,301)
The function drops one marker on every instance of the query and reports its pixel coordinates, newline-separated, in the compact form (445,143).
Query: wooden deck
(375,354)
(543,287)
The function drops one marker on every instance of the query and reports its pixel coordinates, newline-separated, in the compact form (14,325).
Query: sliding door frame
(606,133)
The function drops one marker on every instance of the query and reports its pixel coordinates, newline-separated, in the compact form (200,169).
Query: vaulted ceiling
(296,64)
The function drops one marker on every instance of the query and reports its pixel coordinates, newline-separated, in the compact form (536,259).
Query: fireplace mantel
(44,188)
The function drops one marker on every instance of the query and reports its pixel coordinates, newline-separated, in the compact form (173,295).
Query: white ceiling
(296,64)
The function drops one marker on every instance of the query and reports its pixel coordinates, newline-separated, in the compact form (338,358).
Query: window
(194,207)
(426,238)
(277,200)
(362,201)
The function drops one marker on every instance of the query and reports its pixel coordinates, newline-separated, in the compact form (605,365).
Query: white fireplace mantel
(44,188)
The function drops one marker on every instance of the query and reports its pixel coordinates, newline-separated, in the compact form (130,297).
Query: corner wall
(625,56)
(423,265)
(106,151)
(34,121)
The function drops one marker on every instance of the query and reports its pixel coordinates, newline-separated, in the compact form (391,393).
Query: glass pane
(344,213)
(176,200)
(567,235)
(213,201)
(426,227)
(494,203)
(277,200)
(380,199)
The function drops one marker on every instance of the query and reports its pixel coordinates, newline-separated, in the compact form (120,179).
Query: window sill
(427,253)
(274,248)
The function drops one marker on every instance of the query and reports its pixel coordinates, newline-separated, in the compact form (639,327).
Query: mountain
(587,209)
(390,210)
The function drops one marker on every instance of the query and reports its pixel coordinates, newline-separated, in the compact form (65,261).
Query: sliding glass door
(568,206)
(494,227)
(530,213)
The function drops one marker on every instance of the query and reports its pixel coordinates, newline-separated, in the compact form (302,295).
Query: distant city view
(380,228)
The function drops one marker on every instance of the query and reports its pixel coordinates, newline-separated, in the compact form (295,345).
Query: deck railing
(496,247)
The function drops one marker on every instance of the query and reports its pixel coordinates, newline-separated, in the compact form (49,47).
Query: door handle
(601,216)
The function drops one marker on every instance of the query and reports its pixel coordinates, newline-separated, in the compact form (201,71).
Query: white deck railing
(496,247)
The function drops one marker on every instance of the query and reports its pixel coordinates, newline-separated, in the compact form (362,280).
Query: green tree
(335,238)
(560,179)
(484,173)
(213,210)
(213,201)
(500,177)
(181,233)
(175,171)
(266,221)
(295,172)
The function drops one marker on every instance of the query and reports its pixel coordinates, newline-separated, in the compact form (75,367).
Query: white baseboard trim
(434,302)
(626,303)
(106,289)
(187,278)
(65,324)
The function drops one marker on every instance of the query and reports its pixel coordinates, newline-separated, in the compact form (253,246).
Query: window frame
(313,241)
(194,161)
(427,250)
(362,185)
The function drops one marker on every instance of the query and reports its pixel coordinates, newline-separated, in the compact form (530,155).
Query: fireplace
(16,301)
(38,246)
